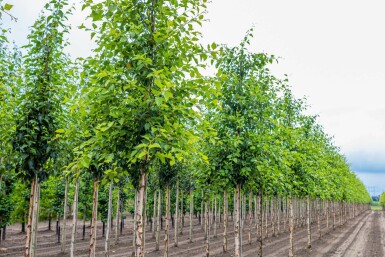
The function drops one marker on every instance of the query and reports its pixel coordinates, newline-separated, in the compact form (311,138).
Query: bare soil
(363,236)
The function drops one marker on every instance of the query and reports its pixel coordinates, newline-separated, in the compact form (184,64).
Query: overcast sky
(333,52)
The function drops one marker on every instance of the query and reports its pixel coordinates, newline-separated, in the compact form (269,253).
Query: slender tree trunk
(207,221)
(84,221)
(159,216)
(291,227)
(318,218)
(117,218)
(181,225)
(260,222)
(201,212)
(94,219)
(225,217)
(238,228)
(135,223)
(75,218)
(166,231)
(215,217)
(27,252)
(63,235)
(109,214)
(191,214)
(250,215)
(308,218)
(176,215)
(35,220)
(154,216)
(140,215)
(49,221)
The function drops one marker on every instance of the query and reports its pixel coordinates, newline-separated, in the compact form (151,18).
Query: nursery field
(360,236)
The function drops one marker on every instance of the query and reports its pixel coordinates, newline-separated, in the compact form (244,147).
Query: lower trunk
(154,216)
(166,231)
(176,215)
(308,222)
(318,218)
(225,216)
(35,220)
(117,218)
(215,217)
(75,219)
(140,215)
(27,252)
(94,219)
(238,229)
(159,216)
(291,227)
(260,222)
(63,234)
(107,242)
(191,214)
(250,215)
(84,222)
(207,225)
(181,225)
(49,221)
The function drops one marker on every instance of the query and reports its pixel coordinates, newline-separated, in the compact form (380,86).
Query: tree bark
(27,252)
(140,215)
(207,225)
(63,235)
(291,227)
(250,215)
(74,219)
(181,225)
(225,217)
(159,216)
(117,218)
(107,241)
(154,216)
(176,215)
(308,222)
(191,214)
(260,222)
(35,219)
(84,221)
(166,231)
(94,219)
(238,228)
(215,217)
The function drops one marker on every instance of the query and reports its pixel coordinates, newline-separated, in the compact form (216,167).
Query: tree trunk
(84,221)
(94,219)
(250,214)
(318,218)
(35,220)
(63,235)
(27,252)
(74,219)
(176,215)
(225,217)
(201,212)
(117,218)
(166,231)
(140,214)
(215,217)
(260,222)
(107,241)
(134,230)
(181,225)
(207,225)
(49,221)
(159,216)
(291,227)
(154,216)
(238,228)
(308,222)
(191,213)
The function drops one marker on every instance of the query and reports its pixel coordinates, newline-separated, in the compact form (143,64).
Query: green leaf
(60,131)
(8,7)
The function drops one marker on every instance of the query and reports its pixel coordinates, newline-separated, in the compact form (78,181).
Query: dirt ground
(363,236)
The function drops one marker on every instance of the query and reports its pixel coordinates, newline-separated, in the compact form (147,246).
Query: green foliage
(39,100)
